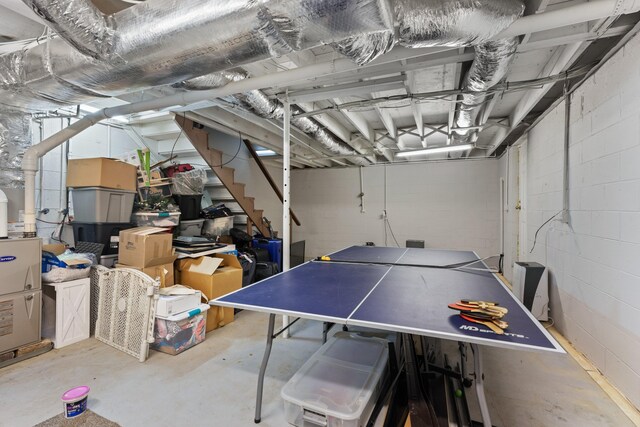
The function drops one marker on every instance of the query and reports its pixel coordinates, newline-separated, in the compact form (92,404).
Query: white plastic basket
(126,311)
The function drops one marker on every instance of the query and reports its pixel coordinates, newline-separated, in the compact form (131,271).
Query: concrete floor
(213,384)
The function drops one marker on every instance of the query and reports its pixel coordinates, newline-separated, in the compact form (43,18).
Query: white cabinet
(66,312)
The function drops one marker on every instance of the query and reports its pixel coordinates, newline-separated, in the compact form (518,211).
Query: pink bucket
(75,401)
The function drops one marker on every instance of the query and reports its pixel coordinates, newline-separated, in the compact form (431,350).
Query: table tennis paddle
(500,323)
(469,309)
(484,304)
(495,328)
(470,301)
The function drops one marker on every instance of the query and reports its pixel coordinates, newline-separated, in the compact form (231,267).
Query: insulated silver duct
(259,103)
(15,138)
(453,22)
(431,23)
(166,41)
(491,65)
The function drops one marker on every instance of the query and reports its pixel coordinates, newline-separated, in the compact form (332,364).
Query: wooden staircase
(200,140)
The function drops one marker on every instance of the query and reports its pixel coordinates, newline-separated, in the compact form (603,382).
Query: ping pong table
(404,290)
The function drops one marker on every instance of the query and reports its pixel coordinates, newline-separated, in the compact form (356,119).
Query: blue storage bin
(274,247)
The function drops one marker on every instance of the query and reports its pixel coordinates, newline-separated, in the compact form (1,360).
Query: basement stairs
(200,140)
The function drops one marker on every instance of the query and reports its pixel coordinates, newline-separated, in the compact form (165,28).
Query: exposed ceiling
(379,130)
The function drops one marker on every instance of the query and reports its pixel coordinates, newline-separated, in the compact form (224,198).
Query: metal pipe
(569,15)
(565,169)
(286,196)
(263,368)
(30,164)
(4,215)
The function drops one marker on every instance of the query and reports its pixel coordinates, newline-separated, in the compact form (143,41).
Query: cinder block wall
(452,205)
(594,261)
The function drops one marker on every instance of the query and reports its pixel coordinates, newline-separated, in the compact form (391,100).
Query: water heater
(531,286)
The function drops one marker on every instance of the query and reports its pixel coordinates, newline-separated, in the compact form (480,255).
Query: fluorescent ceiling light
(151,114)
(120,119)
(436,150)
(264,153)
(88,108)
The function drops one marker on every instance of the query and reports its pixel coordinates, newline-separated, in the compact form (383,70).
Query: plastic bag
(189,183)
(58,274)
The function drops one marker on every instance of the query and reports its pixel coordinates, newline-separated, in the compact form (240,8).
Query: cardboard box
(214,277)
(163,271)
(175,334)
(145,247)
(102,172)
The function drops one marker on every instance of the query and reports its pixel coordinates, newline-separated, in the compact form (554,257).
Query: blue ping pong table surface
(395,289)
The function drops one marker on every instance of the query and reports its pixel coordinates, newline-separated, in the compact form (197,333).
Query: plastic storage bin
(218,226)
(190,206)
(273,246)
(96,204)
(190,228)
(156,219)
(338,386)
(105,233)
(174,334)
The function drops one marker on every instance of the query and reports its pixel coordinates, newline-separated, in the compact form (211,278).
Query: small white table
(65,314)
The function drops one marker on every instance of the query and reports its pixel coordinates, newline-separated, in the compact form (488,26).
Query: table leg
(326,326)
(479,382)
(263,367)
(285,323)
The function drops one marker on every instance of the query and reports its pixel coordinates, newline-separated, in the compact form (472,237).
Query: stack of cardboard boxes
(150,250)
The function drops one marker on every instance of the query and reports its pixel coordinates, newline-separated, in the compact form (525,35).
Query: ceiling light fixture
(265,153)
(436,150)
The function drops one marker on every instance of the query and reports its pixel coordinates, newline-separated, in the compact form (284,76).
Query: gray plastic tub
(96,204)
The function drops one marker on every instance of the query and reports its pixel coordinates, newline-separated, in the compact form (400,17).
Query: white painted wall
(594,261)
(451,205)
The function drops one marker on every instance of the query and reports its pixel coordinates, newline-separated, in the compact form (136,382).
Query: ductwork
(15,138)
(448,23)
(490,66)
(259,103)
(166,41)
(432,23)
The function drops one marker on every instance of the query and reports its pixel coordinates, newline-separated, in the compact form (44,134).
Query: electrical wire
(184,117)
(48,222)
(535,238)
(240,143)
(234,156)
(391,230)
